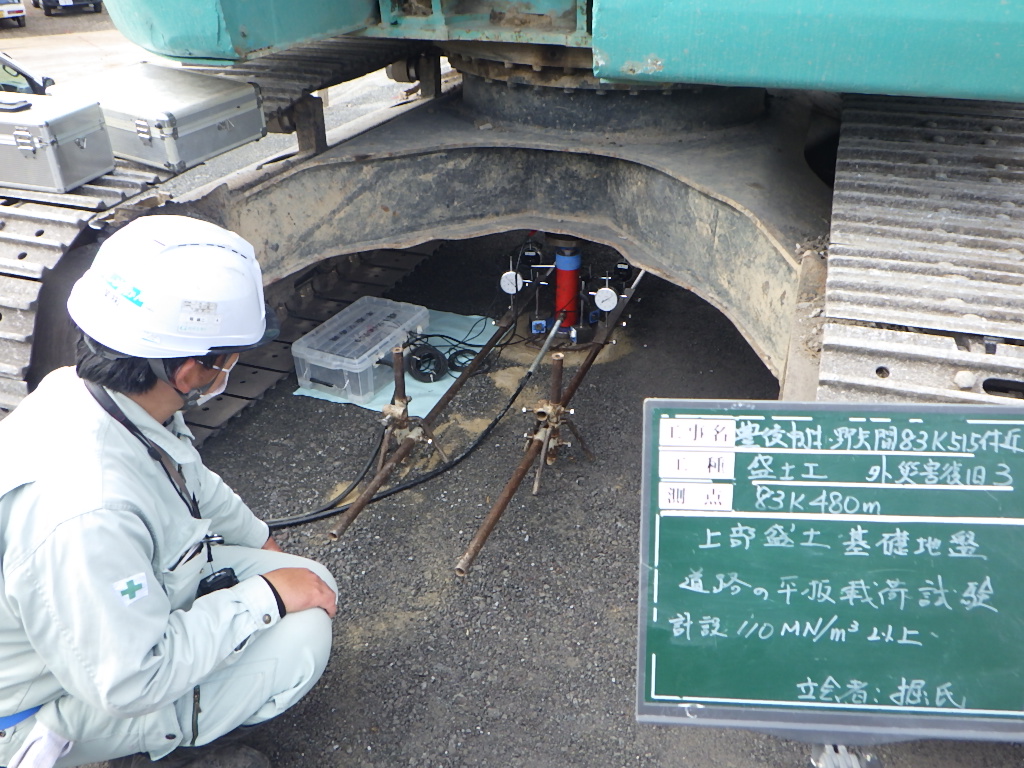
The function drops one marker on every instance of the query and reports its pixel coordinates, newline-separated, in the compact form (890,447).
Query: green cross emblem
(130,589)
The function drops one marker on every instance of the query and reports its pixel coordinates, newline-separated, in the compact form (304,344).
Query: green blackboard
(833,572)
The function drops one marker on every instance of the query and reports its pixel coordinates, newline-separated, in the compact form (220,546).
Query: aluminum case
(52,143)
(171,118)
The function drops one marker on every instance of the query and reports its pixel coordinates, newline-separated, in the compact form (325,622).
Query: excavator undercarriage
(900,282)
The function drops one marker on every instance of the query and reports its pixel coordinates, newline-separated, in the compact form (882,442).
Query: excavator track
(924,297)
(287,76)
(39,229)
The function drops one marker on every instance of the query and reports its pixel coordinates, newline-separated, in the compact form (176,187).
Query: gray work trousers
(276,668)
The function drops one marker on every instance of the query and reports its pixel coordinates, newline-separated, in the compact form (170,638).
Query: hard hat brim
(271,330)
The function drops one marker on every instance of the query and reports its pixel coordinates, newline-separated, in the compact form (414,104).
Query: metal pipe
(547,344)
(577,379)
(398,364)
(556,377)
(406,446)
(466,561)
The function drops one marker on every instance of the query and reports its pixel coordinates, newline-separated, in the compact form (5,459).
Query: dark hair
(127,375)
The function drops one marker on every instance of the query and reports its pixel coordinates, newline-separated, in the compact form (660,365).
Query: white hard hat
(173,286)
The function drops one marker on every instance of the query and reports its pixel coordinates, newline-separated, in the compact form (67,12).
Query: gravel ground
(530,660)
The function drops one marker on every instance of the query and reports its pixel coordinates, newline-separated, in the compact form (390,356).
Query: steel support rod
(398,364)
(547,344)
(466,561)
(549,431)
(406,446)
(598,344)
(557,362)
(581,372)
(506,322)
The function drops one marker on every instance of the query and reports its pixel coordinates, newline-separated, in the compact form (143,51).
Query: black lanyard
(157,453)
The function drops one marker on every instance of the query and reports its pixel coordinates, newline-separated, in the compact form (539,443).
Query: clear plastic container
(340,356)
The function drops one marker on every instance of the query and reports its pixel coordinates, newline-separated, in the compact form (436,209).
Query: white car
(13,10)
(14,78)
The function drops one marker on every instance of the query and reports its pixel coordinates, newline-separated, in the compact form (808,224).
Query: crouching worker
(143,607)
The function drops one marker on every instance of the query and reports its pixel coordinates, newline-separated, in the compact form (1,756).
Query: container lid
(152,89)
(51,109)
(360,334)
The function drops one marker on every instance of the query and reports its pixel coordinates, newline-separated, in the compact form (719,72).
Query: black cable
(460,360)
(426,363)
(328,511)
(463,342)
(462,348)
(424,338)
(351,486)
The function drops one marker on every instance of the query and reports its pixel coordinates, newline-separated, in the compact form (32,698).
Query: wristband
(277,596)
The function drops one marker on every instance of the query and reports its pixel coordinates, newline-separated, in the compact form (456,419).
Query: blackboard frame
(803,723)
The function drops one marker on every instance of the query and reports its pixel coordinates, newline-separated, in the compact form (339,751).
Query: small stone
(965,379)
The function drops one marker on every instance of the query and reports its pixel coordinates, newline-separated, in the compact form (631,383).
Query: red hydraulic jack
(567,280)
(545,439)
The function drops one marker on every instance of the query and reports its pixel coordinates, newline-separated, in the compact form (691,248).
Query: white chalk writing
(892,594)
(857,541)
(890,438)
(912,692)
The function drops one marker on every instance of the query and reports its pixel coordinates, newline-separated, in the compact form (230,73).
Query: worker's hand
(272,545)
(300,589)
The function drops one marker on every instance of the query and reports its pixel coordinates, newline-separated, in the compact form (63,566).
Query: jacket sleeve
(95,612)
(229,516)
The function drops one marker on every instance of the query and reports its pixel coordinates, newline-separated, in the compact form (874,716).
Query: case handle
(14,106)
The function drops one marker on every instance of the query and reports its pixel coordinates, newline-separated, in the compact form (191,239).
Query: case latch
(142,130)
(23,139)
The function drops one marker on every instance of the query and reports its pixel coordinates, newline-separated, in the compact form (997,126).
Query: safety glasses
(232,362)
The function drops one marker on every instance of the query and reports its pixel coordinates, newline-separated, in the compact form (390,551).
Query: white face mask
(219,390)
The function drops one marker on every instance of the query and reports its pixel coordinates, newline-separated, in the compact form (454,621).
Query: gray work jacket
(96,588)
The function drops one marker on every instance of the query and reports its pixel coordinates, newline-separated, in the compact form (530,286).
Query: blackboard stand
(833,573)
(841,756)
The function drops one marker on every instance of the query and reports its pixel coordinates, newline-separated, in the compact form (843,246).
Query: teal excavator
(841,179)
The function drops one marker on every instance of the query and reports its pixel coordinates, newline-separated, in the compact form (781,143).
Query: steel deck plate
(275,356)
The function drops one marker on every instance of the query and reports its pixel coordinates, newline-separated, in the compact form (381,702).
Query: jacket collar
(166,437)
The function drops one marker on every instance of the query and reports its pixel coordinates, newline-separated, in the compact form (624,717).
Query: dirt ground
(530,660)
